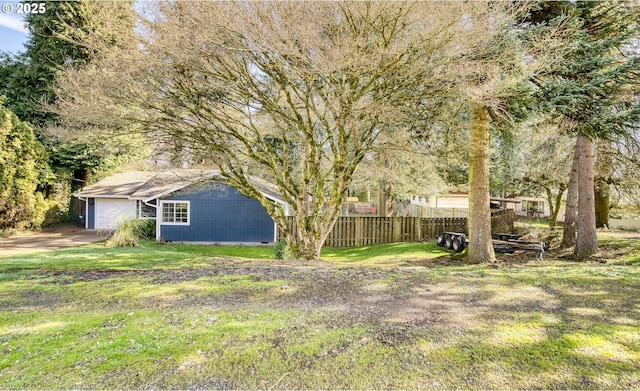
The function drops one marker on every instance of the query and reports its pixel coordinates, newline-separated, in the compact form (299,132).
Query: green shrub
(146,229)
(54,215)
(38,211)
(283,251)
(279,248)
(7,232)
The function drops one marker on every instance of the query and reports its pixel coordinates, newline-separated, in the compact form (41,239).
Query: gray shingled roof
(149,185)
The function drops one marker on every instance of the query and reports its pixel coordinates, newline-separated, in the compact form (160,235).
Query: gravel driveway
(44,241)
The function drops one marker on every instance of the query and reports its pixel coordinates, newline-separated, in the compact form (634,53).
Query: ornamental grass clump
(129,231)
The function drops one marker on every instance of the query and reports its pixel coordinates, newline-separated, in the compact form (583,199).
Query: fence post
(358,232)
(396,222)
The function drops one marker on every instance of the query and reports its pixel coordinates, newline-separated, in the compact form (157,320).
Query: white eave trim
(273,199)
(125,197)
(173,190)
(168,192)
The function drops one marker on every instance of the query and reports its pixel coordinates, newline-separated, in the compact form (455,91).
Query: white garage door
(110,211)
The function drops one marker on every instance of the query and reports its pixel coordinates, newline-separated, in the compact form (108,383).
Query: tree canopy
(591,95)
(322,80)
(23,167)
(303,94)
(57,43)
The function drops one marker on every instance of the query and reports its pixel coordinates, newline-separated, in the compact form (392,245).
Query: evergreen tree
(29,77)
(23,165)
(56,45)
(590,93)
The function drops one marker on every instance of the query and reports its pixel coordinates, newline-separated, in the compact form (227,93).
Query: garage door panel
(110,211)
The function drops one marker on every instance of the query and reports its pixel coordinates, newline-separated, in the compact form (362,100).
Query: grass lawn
(383,317)
(149,255)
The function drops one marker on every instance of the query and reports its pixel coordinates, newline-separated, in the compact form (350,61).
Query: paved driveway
(44,241)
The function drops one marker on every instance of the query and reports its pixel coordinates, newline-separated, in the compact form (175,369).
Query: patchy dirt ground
(29,242)
(251,324)
(402,297)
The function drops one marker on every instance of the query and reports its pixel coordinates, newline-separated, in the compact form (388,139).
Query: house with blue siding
(187,205)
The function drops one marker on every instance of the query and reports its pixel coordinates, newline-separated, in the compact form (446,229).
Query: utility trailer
(455,241)
(506,237)
(502,243)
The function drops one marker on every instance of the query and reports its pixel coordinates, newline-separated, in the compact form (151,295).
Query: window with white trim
(175,212)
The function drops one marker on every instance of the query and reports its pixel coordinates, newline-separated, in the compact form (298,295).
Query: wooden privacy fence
(364,231)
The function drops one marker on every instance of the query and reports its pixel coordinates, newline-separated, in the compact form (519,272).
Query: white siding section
(449,201)
(110,211)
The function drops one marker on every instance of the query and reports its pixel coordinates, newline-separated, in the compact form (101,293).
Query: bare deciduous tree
(298,92)
(545,164)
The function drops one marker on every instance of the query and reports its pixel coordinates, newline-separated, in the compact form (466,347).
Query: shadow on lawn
(554,335)
(352,327)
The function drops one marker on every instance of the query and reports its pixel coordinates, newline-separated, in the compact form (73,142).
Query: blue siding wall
(218,213)
(91,213)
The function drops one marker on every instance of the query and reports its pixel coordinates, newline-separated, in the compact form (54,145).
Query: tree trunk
(480,244)
(388,200)
(382,199)
(554,203)
(307,234)
(569,231)
(586,241)
(385,206)
(601,193)
(78,182)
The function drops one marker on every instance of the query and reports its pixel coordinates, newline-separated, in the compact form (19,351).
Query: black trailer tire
(440,240)
(457,245)
(448,242)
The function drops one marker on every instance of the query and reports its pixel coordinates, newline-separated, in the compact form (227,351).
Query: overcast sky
(13,34)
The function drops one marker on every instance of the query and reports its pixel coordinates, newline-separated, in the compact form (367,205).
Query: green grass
(477,327)
(149,255)
(628,249)
(180,316)
(383,254)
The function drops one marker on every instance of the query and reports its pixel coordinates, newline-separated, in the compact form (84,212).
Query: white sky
(13,33)
(9,17)
(13,22)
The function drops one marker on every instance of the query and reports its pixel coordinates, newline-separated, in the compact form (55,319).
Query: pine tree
(589,92)
(56,44)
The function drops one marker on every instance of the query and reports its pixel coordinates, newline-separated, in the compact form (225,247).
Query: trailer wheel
(440,240)
(448,242)
(457,244)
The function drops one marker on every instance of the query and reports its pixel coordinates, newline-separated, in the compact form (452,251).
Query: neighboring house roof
(150,185)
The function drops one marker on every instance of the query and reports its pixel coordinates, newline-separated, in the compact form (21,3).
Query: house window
(175,212)
(533,206)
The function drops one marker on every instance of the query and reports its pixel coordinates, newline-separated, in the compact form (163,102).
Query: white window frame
(161,212)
